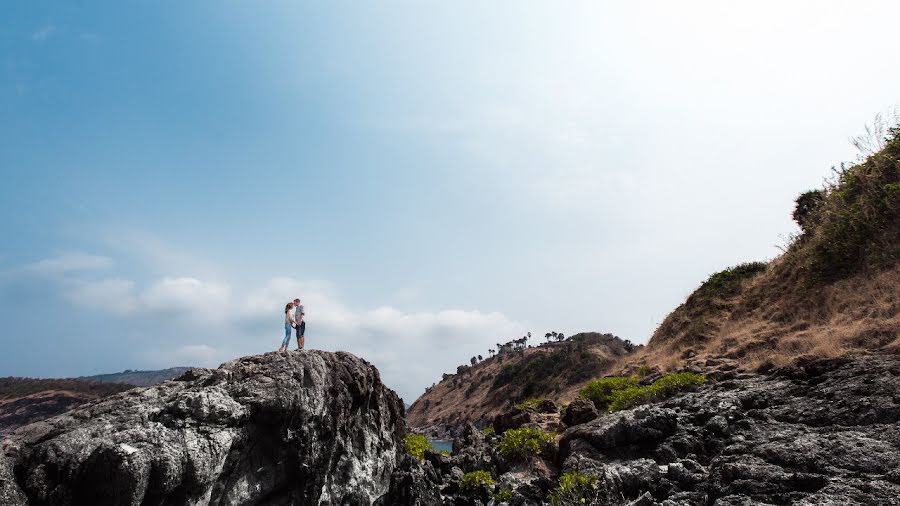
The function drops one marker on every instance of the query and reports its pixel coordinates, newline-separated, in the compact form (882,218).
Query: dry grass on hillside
(859,313)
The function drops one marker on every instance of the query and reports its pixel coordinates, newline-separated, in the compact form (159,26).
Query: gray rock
(295,428)
(820,432)
(580,411)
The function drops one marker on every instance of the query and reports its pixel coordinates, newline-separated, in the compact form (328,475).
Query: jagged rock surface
(297,428)
(819,432)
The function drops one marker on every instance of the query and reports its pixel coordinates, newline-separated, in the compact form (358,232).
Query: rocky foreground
(320,428)
(819,432)
(298,428)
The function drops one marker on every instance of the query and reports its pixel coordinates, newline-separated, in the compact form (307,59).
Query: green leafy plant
(644,370)
(574,488)
(665,387)
(530,403)
(474,479)
(727,282)
(489,430)
(416,445)
(519,444)
(600,391)
(502,495)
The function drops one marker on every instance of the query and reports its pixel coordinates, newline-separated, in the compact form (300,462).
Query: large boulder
(295,428)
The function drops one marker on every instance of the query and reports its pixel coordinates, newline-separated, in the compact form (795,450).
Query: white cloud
(71,261)
(112,295)
(411,349)
(43,33)
(189,297)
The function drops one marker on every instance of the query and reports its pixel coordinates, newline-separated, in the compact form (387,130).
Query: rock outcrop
(819,432)
(295,428)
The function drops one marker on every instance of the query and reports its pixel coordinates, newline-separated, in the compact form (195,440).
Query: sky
(431,178)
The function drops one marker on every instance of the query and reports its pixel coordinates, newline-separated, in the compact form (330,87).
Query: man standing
(300,323)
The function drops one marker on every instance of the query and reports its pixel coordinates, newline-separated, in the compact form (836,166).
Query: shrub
(644,370)
(600,390)
(665,387)
(805,207)
(530,403)
(502,495)
(519,444)
(575,488)
(856,226)
(489,430)
(416,445)
(476,479)
(727,282)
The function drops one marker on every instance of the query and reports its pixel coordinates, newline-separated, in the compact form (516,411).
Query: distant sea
(442,444)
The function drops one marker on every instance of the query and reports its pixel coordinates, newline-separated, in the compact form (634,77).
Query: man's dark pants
(301,329)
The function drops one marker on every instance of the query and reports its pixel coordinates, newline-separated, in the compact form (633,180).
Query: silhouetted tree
(548,336)
(479,358)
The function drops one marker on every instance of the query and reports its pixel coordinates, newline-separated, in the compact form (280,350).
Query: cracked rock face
(296,428)
(820,432)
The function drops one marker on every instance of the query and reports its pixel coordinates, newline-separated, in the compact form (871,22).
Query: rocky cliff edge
(296,428)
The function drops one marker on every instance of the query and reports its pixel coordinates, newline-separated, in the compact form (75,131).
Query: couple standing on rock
(294,317)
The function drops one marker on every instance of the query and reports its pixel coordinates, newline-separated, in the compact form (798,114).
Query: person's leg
(287,337)
(302,332)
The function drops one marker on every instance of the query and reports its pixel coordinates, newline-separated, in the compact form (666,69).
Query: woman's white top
(289,316)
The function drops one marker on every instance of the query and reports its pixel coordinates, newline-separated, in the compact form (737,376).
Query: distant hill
(140,378)
(554,370)
(28,400)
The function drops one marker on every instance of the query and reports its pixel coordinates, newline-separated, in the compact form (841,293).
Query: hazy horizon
(429,179)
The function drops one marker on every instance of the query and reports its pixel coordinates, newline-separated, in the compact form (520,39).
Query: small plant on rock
(600,391)
(663,388)
(520,444)
(574,488)
(489,430)
(502,495)
(530,403)
(416,445)
(475,479)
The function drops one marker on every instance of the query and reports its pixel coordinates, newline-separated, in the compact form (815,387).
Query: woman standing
(288,325)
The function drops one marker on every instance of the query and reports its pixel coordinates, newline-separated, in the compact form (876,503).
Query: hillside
(835,289)
(140,378)
(28,400)
(555,370)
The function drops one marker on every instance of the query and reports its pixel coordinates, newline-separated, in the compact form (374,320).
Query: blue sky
(430,178)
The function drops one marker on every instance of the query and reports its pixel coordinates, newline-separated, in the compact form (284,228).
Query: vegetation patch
(665,387)
(575,488)
(502,495)
(416,444)
(489,430)
(475,479)
(600,391)
(530,403)
(728,282)
(525,442)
